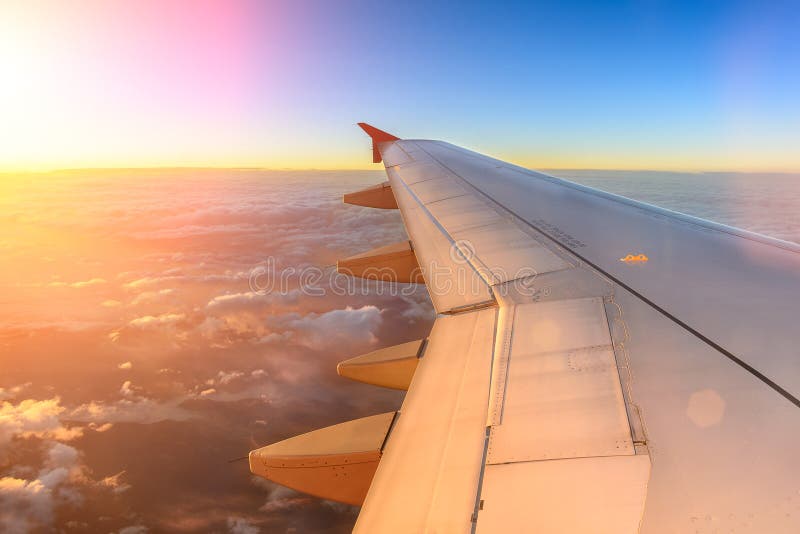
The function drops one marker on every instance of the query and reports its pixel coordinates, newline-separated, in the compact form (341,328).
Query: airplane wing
(597,364)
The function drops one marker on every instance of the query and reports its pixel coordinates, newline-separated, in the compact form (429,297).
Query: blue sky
(682,85)
(708,85)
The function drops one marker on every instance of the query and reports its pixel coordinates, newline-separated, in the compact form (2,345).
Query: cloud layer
(140,360)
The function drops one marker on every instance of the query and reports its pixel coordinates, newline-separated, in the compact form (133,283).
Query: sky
(568,84)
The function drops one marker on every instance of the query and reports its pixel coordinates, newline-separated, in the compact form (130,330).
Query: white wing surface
(597,364)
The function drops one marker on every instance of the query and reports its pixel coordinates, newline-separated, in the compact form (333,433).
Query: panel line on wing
(646,207)
(500,361)
(451,284)
(498,248)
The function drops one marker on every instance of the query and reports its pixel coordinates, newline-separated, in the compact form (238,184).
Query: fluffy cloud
(418,309)
(275,337)
(239,525)
(156,280)
(252,301)
(228,377)
(156,320)
(125,365)
(12,392)
(349,325)
(115,483)
(126,390)
(282,498)
(34,418)
(131,410)
(80,284)
(27,505)
(152,296)
(150,281)
(100,428)
(198,230)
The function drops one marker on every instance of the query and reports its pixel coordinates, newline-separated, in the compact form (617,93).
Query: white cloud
(34,418)
(275,337)
(89,283)
(131,410)
(100,428)
(251,300)
(150,281)
(10,393)
(349,325)
(125,365)
(282,498)
(80,284)
(197,230)
(228,377)
(416,309)
(27,505)
(151,296)
(155,320)
(126,390)
(115,483)
(240,525)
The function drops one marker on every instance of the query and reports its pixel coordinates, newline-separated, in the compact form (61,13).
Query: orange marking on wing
(635,258)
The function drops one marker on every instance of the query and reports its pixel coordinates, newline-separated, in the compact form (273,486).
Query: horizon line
(56,170)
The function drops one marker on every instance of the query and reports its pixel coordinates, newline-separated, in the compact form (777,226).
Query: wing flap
(562,395)
(429,477)
(602,495)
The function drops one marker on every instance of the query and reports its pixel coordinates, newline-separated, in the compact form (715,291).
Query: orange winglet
(378,136)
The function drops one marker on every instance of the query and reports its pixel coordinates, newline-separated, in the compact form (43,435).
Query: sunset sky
(646,84)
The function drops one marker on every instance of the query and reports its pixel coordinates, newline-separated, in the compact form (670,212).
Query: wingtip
(378,136)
